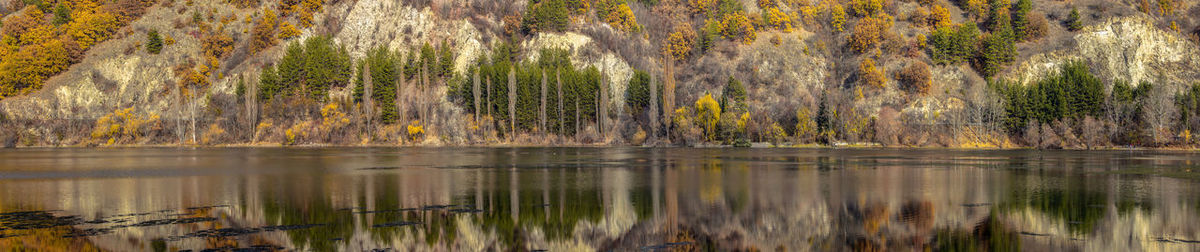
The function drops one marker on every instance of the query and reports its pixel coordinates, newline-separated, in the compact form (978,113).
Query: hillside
(969,73)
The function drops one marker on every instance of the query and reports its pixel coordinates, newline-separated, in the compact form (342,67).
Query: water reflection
(585,199)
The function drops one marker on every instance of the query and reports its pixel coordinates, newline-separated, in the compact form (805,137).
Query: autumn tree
(868,32)
(679,43)
(263,34)
(870,75)
(915,77)
(708,112)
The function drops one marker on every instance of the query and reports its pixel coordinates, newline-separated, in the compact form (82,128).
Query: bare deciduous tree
(1160,113)
(1093,133)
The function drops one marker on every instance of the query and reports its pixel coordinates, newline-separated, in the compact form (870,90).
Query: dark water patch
(466,210)
(228,232)
(387,211)
(1033,234)
(172,221)
(976,204)
(395,224)
(380,168)
(207,207)
(1174,240)
(27,220)
(665,246)
(255,248)
(87,232)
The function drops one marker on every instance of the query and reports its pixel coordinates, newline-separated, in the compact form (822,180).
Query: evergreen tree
(733,97)
(1074,22)
(1021,19)
(154,42)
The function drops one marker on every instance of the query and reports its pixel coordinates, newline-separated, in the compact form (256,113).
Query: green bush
(154,42)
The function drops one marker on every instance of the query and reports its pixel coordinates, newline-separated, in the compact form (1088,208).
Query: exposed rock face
(1125,48)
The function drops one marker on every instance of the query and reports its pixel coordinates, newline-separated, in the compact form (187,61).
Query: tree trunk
(668,91)
(561,119)
(653,110)
(542,106)
(512,102)
(368,99)
(475,94)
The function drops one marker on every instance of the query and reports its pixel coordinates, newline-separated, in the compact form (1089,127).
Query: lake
(587,199)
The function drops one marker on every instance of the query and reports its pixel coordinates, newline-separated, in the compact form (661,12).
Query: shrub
(869,74)
(121,125)
(415,131)
(288,31)
(915,77)
(154,42)
(62,14)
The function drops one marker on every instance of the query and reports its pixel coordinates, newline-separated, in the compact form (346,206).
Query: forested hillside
(949,73)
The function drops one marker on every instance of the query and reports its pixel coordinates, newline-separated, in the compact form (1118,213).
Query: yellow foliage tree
(977,8)
(263,36)
(940,17)
(738,26)
(837,17)
(89,25)
(679,43)
(863,8)
(869,74)
(701,6)
(622,18)
(777,19)
(287,31)
(867,33)
(708,113)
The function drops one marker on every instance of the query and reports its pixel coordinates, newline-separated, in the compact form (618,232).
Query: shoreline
(757,145)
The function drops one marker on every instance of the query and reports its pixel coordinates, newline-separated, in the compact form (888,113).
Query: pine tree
(1074,23)
(1021,19)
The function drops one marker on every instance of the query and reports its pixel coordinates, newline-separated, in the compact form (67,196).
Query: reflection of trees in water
(293,204)
(991,234)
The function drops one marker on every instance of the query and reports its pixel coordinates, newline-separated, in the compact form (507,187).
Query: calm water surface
(586,199)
